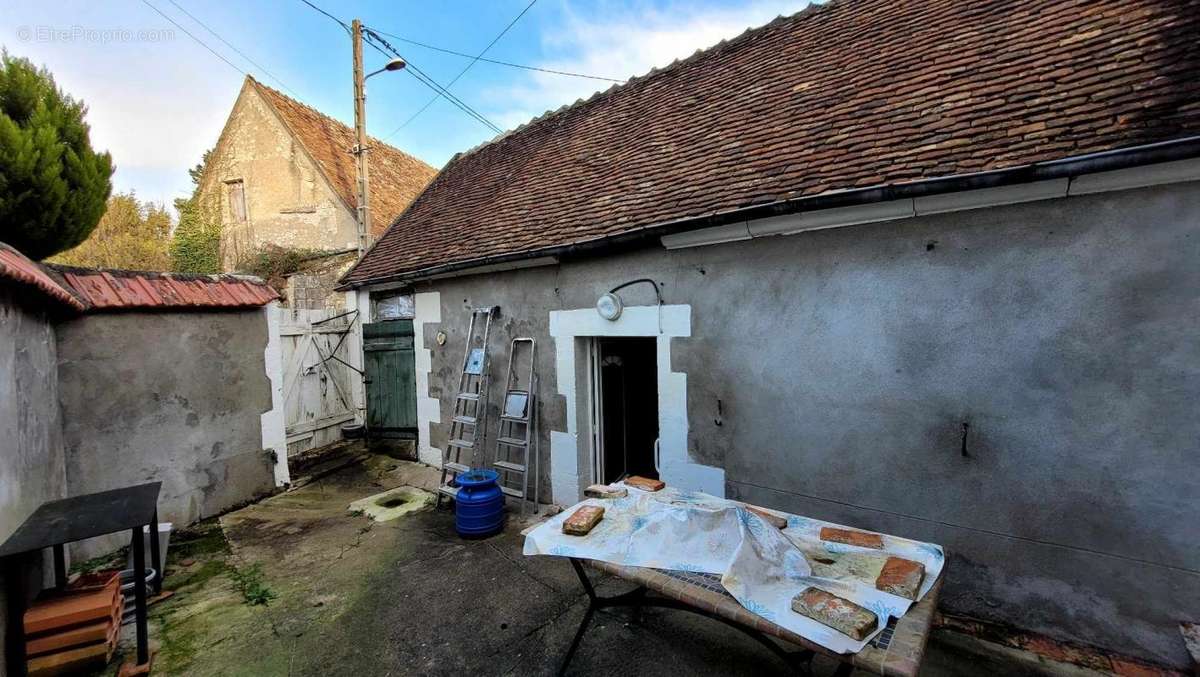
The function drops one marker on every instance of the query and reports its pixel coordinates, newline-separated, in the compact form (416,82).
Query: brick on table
(583,520)
(836,612)
(863,539)
(605,491)
(771,518)
(901,577)
(644,483)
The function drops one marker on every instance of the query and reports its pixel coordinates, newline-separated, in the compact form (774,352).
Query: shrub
(132,235)
(273,263)
(53,186)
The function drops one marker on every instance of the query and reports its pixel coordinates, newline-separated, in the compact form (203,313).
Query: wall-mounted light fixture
(610,305)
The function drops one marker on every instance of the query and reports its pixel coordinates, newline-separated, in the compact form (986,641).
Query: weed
(249,581)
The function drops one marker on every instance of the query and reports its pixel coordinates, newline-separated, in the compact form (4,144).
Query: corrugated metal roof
(102,290)
(16,267)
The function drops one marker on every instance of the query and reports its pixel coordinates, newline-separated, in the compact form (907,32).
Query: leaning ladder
(518,431)
(468,426)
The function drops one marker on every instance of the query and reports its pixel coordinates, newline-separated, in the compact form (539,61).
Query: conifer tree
(53,186)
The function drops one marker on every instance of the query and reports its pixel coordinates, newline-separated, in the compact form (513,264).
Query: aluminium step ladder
(518,431)
(468,425)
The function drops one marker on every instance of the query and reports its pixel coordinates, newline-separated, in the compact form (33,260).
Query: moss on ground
(113,560)
(202,538)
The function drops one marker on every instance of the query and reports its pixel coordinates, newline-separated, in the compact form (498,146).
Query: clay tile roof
(848,94)
(104,290)
(396,177)
(16,268)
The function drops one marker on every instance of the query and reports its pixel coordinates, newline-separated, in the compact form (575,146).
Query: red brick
(70,661)
(644,483)
(770,517)
(71,609)
(901,577)
(862,539)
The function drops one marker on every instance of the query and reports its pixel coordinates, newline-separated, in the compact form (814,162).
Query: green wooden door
(391,378)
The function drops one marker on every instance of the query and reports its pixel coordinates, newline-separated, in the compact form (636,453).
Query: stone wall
(31,449)
(312,288)
(1016,383)
(170,396)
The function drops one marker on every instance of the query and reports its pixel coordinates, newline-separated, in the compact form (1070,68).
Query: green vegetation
(132,235)
(114,560)
(273,264)
(249,581)
(196,246)
(53,186)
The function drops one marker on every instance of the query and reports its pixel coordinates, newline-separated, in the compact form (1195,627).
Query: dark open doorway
(628,411)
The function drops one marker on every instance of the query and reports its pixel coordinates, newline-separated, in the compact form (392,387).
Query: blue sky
(158,99)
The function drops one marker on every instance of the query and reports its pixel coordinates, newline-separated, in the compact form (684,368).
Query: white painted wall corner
(427,310)
(274,434)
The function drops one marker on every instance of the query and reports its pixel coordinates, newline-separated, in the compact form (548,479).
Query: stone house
(925,268)
(282,175)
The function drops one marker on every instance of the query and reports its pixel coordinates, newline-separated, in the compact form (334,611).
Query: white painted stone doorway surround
(570,330)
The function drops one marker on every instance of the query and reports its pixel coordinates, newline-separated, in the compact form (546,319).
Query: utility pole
(360,146)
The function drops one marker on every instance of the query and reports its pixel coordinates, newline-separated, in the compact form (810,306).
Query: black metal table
(67,520)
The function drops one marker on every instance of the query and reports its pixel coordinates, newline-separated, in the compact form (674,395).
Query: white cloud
(155,104)
(621,43)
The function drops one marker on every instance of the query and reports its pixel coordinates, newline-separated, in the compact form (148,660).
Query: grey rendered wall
(847,361)
(175,397)
(31,452)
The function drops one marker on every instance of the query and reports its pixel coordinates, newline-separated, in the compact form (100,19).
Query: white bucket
(164,539)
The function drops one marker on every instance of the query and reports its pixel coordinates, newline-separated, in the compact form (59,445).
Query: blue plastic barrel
(479,507)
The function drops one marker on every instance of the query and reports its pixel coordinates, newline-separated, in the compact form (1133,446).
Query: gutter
(1065,168)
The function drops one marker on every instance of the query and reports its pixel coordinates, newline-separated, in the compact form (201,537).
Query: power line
(428,81)
(411,69)
(339,21)
(497,61)
(235,49)
(189,34)
(463,72)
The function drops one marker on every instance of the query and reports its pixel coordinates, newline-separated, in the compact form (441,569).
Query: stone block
(840,614)
(605,491)
(583,520)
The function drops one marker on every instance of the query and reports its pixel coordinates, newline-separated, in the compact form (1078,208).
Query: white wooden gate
(317,379)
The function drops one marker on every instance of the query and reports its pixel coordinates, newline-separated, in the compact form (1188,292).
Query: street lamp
(393,65)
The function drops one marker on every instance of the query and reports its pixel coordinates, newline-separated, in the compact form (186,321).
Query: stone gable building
(282,175)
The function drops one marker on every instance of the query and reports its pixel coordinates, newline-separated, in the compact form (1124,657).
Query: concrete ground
(349,596)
